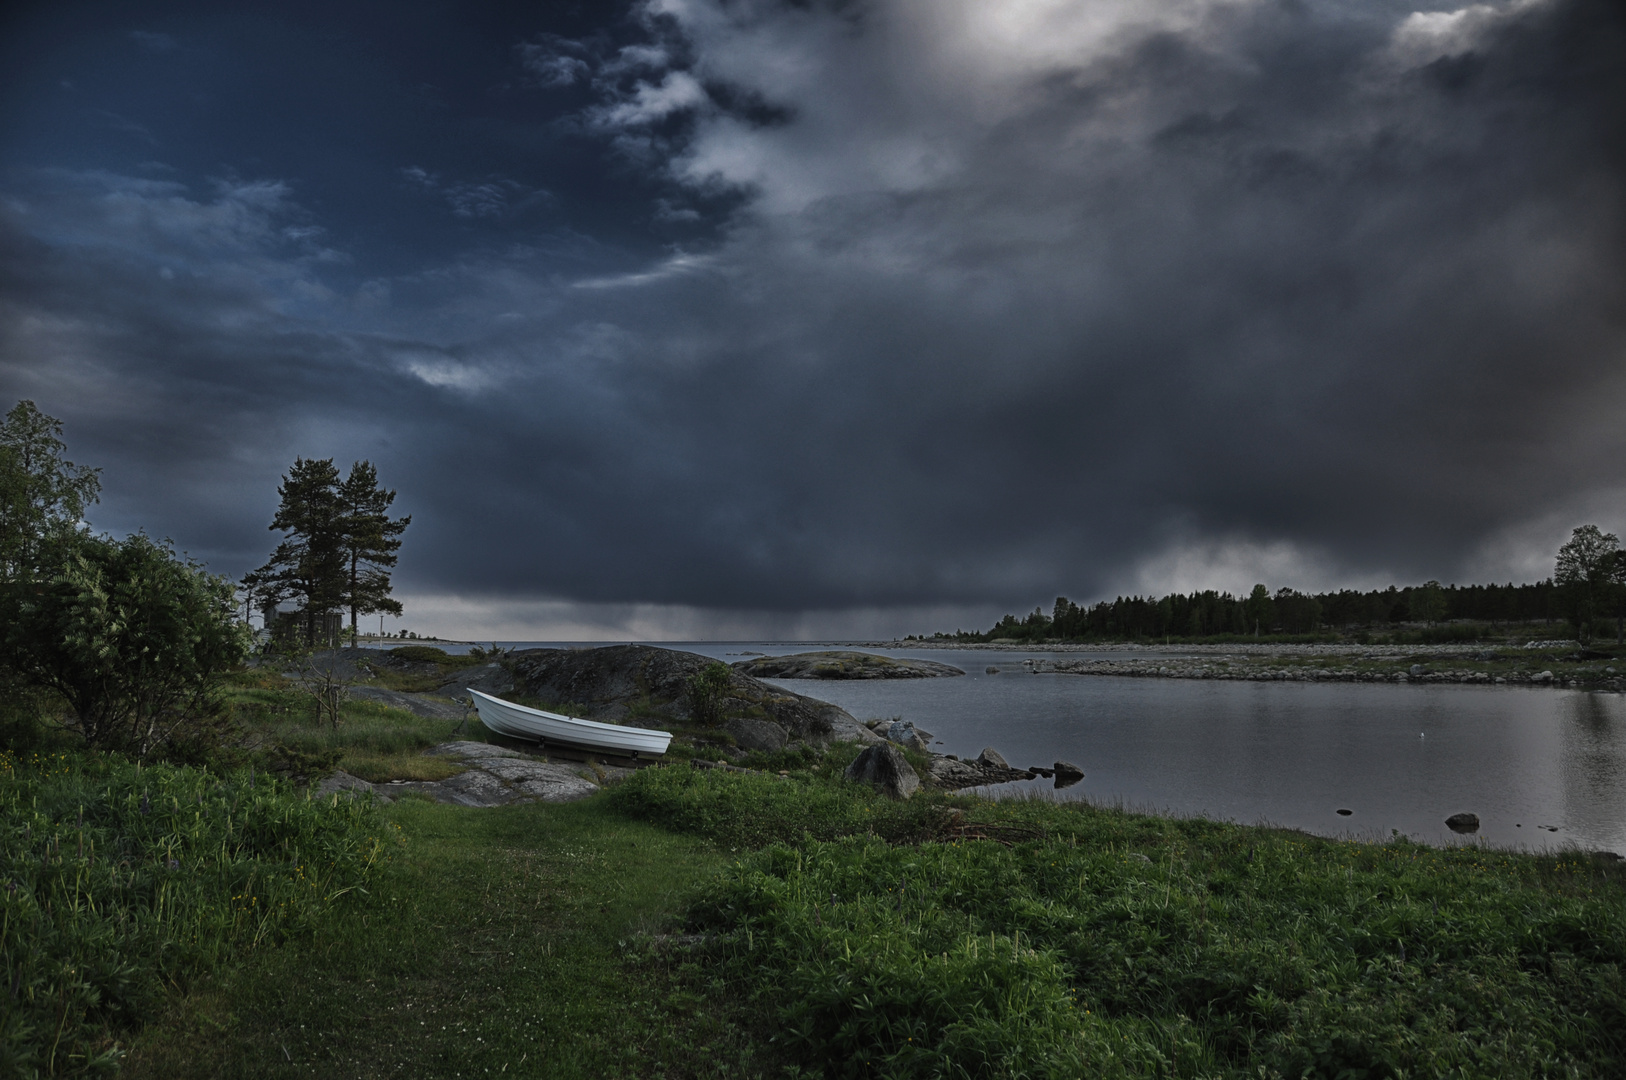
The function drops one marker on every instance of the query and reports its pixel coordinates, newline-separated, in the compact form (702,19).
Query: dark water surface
(1526,760)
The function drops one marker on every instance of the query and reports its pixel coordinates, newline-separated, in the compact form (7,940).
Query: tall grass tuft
(752,809)
(117,879)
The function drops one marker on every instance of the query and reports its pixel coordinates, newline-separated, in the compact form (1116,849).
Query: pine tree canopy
(339,546)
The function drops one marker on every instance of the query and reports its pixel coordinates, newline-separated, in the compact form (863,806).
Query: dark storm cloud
(976,303)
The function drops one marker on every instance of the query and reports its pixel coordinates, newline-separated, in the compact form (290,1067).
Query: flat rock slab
(468,749)
(843,664)
(497,776)
(342,783)
(488,679)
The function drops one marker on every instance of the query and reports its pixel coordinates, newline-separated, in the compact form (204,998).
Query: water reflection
(1402,758)
(1594,762)
(1540,768)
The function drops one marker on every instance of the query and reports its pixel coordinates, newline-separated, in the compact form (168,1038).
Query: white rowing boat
(534,725)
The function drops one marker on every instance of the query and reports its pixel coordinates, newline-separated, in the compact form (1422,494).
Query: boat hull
(535,725)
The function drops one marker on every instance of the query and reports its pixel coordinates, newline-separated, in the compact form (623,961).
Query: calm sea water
(1541,768)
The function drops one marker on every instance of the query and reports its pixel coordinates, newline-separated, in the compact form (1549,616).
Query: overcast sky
(732,318)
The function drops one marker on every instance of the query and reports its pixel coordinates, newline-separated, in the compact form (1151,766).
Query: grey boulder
(752,734)
(950,773)
(904,734)
(883,768)
(342,783)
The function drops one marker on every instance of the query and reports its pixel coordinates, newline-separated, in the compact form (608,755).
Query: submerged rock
(1067,774)
(1463,823)
(883,768)
(954,773)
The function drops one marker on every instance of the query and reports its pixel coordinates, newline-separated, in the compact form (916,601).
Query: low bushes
(119,879)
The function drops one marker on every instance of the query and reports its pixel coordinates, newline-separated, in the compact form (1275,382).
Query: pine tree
(371,539)
(308,566)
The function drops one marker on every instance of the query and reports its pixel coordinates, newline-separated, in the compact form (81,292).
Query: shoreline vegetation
(1554,664)
(712,923)
(769,918)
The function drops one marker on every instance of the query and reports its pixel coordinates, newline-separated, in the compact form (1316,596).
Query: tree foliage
(370,540)
(1587,575)
(1212,614)
(338,547)
(132,637)
(42,494)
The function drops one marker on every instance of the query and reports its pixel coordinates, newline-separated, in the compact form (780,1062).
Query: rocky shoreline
(1551,664)
(1198,669)
(843,664)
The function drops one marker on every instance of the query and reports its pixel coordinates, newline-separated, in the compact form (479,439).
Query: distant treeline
(1287,611)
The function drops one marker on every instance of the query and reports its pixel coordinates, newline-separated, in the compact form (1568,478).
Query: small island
(843,664)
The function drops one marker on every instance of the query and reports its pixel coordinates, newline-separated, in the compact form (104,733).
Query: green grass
(518,941)
(1099,943)
(122,880)
(829,932)
(748,810)
(373,741)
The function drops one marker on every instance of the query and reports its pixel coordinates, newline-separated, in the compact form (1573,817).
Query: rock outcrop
(418,704)
(989,768)
(644,685)
(488,678)
(749,734)
(843,664)
(496,776)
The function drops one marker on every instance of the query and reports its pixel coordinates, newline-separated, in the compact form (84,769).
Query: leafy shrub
(135,639)
(706,690)
(120,878)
